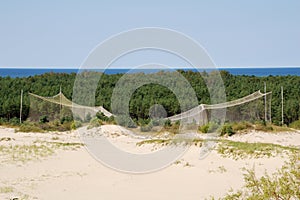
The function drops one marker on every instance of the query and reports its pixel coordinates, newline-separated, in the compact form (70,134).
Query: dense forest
(144,97)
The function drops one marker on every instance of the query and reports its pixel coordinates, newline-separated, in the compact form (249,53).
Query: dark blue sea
(21,72)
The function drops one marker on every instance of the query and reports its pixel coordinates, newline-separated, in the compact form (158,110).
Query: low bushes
(209,128)
(295,124)
(95,122)
(30,127)
(283,184)
(227,130)
(125,121)
(146,128)
(75,124)
(240,127)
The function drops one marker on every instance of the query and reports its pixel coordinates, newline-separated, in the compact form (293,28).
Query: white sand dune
(74,174)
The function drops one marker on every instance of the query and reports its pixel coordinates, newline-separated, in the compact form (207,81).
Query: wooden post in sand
(21,106)
(265,90)
(282,106)
(270,107)
(60,100)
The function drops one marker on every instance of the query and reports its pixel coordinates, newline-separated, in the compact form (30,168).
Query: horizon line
(125,67)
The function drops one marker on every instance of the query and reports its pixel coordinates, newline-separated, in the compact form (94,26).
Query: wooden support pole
(265,90)
(282,121)
(21,106)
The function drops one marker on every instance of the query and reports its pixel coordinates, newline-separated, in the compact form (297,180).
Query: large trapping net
(58,107)
(254,107)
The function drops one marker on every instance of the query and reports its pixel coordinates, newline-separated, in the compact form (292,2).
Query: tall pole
(281,105)
(270,108)
(265,89)
(60,99)
(21,106)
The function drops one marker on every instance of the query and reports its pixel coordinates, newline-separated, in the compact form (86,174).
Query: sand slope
(74,174)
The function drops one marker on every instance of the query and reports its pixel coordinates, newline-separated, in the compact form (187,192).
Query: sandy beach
(56,166)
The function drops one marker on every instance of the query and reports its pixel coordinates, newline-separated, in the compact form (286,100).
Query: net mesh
(256,106)
(59,106)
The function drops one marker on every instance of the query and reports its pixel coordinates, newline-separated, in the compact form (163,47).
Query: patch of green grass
(240,150)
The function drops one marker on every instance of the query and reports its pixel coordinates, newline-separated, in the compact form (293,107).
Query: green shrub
(95,122)
(56,122)
(213,127)
(30,128)
(101,116)
(66,119)
(143,122)
(227,130)
(14,121)
(240,126)
(3,121)
(283,184)
(204,128)
(75,124)
(263,127)
(111,120)
(125,121)
(44,119)
(66,126)
(209,127)
(168,123)
(146,128)
(295,124)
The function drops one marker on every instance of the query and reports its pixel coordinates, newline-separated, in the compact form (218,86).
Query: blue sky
(235,33)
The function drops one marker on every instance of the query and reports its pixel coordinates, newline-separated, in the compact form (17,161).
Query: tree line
(144,97)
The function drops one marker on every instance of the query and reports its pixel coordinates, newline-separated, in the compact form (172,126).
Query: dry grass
(36,151)
(6,189)
(283,184)
(241,150)
(162,142)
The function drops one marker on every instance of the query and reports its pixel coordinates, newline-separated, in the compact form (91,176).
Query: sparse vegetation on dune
(154,141)
(6,189)
(284,184)
(196,142)
(242,127)
(34,151)
(241,150)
